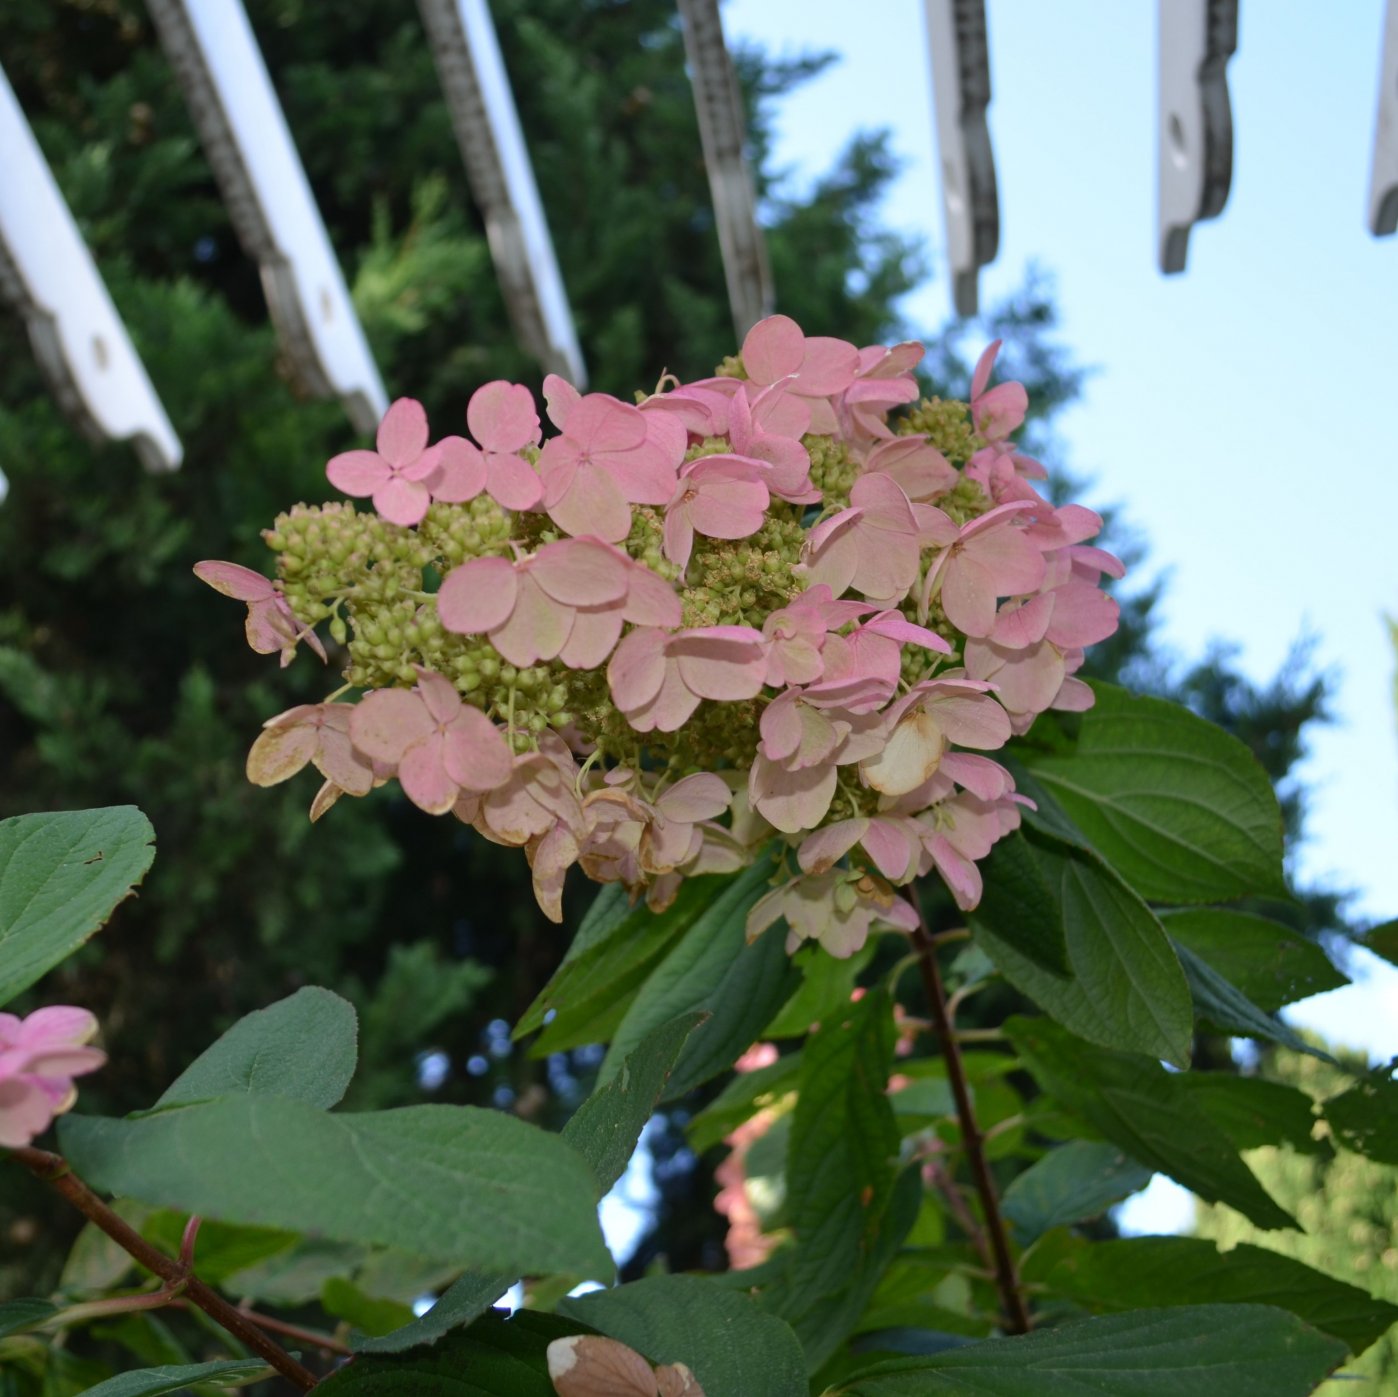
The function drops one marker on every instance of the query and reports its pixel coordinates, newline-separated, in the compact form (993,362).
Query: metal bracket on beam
(1195,155)
(48,274)
(214,53)
(1383,177)
(723,132)
(956,36)
(483,115)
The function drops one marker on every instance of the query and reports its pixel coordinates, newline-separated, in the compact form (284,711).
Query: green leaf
(1268,962)
(617,945)
(495,1357)
(150,1382)
(466,1185)
(303,1047)
(1149,1112)
(1181,809)
(1383,941)
(1020,908)
(1075,1182)
(61,876)
(1127,989)
(742,1098)
(844,1202)
(1192,1351)
(731,1347)
(1150,1271)
(604,1131)
(825,990)
(1365,1118)
(1252,1111)
(368,1314)
(712,970)
(222,1248)
(1227,1007)
(19,1315)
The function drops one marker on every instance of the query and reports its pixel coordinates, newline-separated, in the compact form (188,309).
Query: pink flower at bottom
(39,1057)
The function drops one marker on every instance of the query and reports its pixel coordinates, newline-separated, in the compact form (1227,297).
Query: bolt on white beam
(1383,177)
(1194,159)
(48,275)
(718,101)
(214,53)
(501,177)
(960,55)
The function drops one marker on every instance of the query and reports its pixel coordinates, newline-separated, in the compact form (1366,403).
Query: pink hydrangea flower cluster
(787,602)
(39,1057)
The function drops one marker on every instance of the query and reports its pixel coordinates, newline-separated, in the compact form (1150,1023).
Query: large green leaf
(1225,1006)
(1021,909)
(495,1357)
(303,1047)
(731,1347)
(1072,1183)
(1149,1112)
(61,875)
(151,1382)
(1252,1111)
(1126,989)
(713,970)
(453,1182)
(1181,809)
(842,1168)
(825,988)
(1268,962)
(1192,1351)
(1140,1272)
(604,1131)
(1365,1118)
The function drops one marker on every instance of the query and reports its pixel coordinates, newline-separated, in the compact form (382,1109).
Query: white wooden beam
(1383,177)
(498,170)
(1195,138)
(48,275)
(214,53)
(718,101)
(960,53)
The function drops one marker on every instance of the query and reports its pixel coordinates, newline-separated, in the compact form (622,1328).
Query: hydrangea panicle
(785,603)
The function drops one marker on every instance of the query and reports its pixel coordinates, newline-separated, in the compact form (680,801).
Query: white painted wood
(214,53)
(718,101)
(48,275)
(501,177)
(1383,177)
(960,55)
(1195,137)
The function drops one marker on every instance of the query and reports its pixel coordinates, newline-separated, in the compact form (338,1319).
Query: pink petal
(386,722)
(280,752)
(720,662)
(602,423)
(677,536)
(25,1111)
(972,720)
(1018,627)
(512,482)
(1082,616)
(1074,697)
(233,580)
(537,628)
(501,416)
(592,504)
(357,473)
(439,696)
(475,754)
(55,1026)
(827,846)
(593,637)
(560,397)
(580,571)
(909,757)
(670,709)
(897,627)
(891,847)
(650,599)
(403,432)
(968,596)
(702,796)
(773,348)
(729,508)
(423,776)
(461,471)
(979,775)
(637,668)
(402,502)
(984,365)
(477,596)
(791,801)
(829,366)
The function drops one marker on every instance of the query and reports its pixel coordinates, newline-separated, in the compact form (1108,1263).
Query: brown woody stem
(1016,1314)
(53,1170)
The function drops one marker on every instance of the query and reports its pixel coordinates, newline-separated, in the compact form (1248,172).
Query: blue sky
(1240,413)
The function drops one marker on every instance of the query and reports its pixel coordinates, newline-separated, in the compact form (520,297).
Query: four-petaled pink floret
(395,475)
(39,1057)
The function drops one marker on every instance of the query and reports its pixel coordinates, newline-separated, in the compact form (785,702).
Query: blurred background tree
(124,680)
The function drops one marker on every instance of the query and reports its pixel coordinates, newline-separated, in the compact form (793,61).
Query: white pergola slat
(1195,137)
(48,274)
(718,102)
(1383,176)
(960,54)
(498,169)
(211,47)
